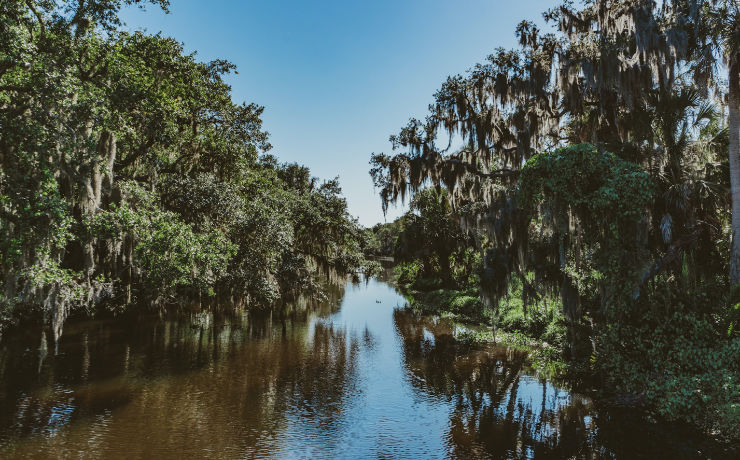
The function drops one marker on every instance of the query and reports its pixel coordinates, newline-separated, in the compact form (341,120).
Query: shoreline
(547,362)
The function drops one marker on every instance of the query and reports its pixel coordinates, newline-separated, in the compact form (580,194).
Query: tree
(634,241)
(431,233)
(129,176)
(717,32)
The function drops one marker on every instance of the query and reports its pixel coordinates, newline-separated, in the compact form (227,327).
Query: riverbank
(542,336)
(353,375)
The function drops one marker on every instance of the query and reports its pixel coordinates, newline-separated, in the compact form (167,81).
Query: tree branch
(674,253)
(18,88)
(39,18)
(498,173)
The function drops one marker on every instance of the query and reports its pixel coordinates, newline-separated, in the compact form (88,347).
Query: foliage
(430,234)
(129,176)
(595,166)
(380,239)
(464,305)
(167,249)
(407,273)
(607,186)
(677,358)
(607,203)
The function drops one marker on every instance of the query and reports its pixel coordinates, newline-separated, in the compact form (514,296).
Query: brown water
(351,377)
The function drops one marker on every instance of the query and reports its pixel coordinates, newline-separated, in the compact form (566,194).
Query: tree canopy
(599,162)
(129,175)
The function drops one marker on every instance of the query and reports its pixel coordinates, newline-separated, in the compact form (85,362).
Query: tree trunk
(734,153)
(445,268)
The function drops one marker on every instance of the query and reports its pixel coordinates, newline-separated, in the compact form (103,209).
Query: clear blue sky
(338,77)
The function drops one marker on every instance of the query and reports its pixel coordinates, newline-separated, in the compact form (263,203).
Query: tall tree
(719,37)
(613,75)
(431,233)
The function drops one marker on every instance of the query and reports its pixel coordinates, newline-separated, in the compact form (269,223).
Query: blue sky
(338,77)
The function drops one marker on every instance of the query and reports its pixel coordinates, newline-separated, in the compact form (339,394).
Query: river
(352,376)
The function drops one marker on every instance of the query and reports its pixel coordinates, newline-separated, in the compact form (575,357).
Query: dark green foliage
(407,273)
(462,304)
(675,353)
(629,242)
(607,197)
(167,249)
(380,239)
(431,234)
(128,175)
(599,186)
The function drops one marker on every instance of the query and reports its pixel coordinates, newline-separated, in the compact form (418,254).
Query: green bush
(679,360)
(555,332)
(512,319)
(466,304)
(407,273)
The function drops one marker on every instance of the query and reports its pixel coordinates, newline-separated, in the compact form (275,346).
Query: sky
(338,77)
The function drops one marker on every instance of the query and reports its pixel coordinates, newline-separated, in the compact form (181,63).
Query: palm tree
(713,30)
(726,22)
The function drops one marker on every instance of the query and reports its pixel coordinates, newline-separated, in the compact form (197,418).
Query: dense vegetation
(129,176)
(598,182)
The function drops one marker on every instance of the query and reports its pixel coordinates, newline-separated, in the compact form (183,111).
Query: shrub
(407,273)
(679,360)
(466,304)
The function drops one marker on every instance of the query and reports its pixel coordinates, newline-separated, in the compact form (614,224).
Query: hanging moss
(130,177)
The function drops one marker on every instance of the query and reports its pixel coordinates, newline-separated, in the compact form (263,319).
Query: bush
(555,332)
(512,319)
(466,304)
(679,360)
(407,273)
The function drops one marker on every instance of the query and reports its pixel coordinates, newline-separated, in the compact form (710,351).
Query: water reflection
(151,388)
(499,410)
(352,376)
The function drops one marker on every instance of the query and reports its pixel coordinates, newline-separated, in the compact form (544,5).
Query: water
(351,377)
